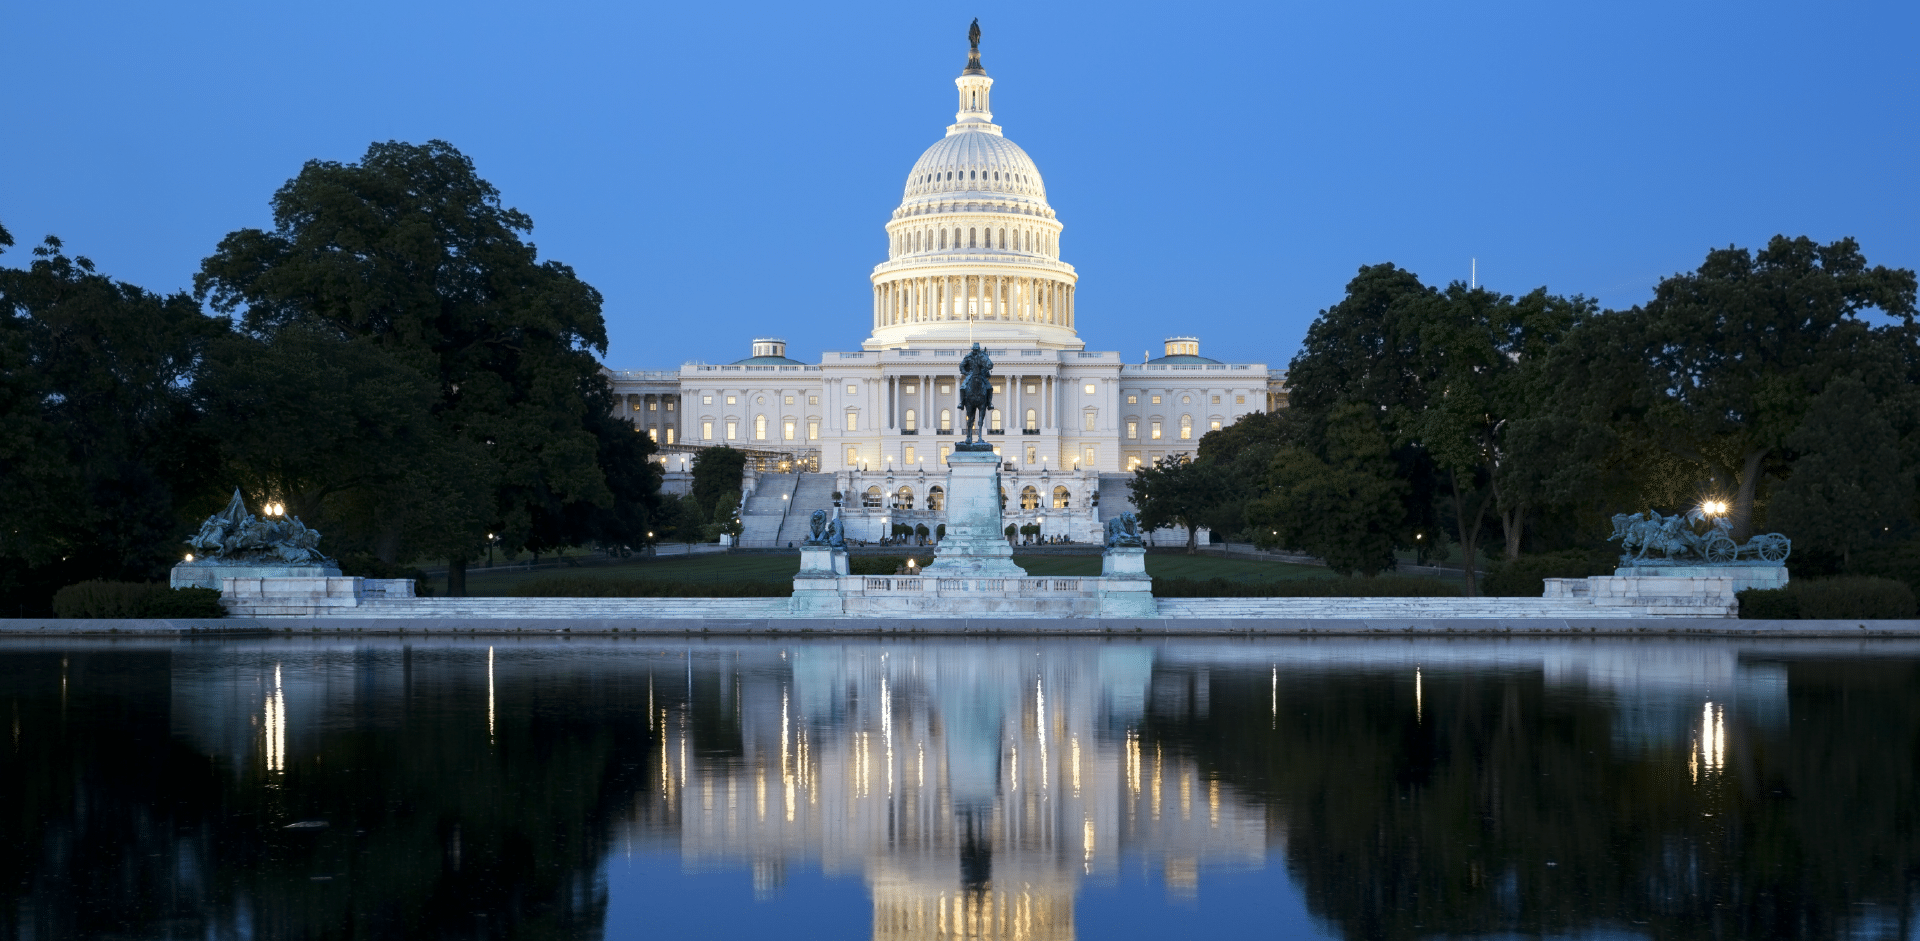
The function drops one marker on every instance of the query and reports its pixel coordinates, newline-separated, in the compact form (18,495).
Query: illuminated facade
(973,255)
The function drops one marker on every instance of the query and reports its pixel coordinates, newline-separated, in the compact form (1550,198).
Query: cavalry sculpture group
(236,536)
(1679,539)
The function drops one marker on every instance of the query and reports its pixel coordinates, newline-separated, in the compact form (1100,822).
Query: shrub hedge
(1846,597)
(1383,586)
(1525,577)
(99,598)
(574,586)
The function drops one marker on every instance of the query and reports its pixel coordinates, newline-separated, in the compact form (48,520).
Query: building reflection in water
(973,787)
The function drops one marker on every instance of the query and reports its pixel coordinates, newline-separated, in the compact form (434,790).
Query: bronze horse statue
(976,392)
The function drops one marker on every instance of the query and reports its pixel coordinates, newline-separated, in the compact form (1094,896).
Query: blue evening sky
(721,171)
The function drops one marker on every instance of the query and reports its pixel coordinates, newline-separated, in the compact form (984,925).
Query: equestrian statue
(976,398)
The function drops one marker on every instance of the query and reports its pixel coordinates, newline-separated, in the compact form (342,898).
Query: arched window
(943,238)
(903,499)
(946,419)
(1033,420)
(910,426)
(973,238)
(936,499)
(916,241)
(759,427)
(1003,239)
(996,421)
(1029,499)
(1186,426)
(1061,498)
(871,499)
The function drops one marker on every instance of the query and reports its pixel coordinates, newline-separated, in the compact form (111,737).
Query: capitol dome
(973,250)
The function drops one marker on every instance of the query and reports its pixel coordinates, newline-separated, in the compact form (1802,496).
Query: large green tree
(99,447)
(1850,484)
(411,250)
(1720,366)
(1177,491)
(1342,501)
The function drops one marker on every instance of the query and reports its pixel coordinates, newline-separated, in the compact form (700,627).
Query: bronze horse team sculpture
(1679,539)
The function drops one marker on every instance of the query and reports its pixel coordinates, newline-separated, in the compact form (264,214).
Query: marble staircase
(760,519)
(811,492)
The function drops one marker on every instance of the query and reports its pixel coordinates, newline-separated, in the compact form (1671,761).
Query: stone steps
(761,517)
(810,492)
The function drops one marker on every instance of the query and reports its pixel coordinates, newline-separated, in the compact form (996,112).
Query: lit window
(946,389)
(997,389)
(1239,400)
(1156,400)
(1216,424)
(759,427)
(853,457)
(1216,400)
(653,406)
(789,430)
(1091,416)
(995,416)
(1061,498)
(871,499)
(706,400)
(1089,455)
(1186,400)
(654,434)
(1032,455)
(789,400)
(1186,427)
(1133,400)
(669,434)
(733,430)
(1089,388)
(731,400)
(946,420)
(706,431)
(1133,429)
(813,400)
(1153,431)
(669,405)
(912,456)
(813,431)
(1033,420)
(1133,463)
(912,389)
(853,421)
(852,389)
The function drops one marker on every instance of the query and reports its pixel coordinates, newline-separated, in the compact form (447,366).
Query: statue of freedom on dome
(976,397)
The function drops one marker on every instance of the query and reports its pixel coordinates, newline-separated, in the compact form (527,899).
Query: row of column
(973,297)
(1013,404)
(660,421)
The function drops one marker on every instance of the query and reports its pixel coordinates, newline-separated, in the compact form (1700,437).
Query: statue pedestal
(210,574)
(976,543)
(1125,589)
(816,587)
(1744,577)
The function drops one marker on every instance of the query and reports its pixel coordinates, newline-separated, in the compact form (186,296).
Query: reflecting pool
(949,789)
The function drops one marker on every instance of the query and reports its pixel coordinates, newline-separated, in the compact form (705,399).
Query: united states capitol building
(973,256)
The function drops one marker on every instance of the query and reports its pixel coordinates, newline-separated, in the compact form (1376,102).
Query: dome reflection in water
(942,788)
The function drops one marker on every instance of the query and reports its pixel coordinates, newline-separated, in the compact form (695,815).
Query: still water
(1044,789)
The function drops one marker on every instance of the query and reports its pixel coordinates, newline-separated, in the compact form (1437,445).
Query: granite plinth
(1659,596)
(975,545)
(1764,575)
(816,587)
(211,573)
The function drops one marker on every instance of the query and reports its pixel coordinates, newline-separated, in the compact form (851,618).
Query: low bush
(565,586)
(103,599)
(1900,563)
(1383,586)
(1525,577)
(883,564)
(1843,598)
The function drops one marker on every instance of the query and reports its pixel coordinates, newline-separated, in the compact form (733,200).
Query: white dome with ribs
(973,251)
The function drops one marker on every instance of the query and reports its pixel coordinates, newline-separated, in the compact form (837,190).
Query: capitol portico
(973,256)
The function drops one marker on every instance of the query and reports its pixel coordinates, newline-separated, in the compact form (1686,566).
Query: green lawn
(764,567)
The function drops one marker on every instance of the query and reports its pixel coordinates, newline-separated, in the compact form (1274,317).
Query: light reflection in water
(274,725)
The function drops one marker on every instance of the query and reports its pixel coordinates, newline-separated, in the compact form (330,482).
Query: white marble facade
(973,255)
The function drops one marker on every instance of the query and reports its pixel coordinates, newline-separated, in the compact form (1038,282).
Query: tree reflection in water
(1703,789)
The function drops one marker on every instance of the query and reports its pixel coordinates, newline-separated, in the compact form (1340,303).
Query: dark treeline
(1462,422)
(391,361)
